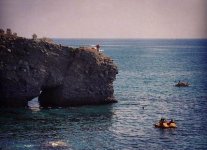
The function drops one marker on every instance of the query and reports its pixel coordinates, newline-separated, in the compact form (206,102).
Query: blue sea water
(144,88)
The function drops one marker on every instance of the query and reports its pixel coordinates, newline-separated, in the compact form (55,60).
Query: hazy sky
(106,18)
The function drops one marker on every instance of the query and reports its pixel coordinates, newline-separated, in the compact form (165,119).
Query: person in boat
(172,124)
(98,47)
(171,121)
(162,120)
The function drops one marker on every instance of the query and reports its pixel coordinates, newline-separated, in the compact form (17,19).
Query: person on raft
(162,120)
(171,121)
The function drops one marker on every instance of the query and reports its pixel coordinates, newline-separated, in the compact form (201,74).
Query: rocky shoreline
(59,75)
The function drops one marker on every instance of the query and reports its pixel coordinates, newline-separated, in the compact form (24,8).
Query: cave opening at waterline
(34,104)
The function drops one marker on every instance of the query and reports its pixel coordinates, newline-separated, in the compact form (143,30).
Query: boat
(166,125)
(182,84)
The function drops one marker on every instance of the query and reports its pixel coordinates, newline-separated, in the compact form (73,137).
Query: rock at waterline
(66,76)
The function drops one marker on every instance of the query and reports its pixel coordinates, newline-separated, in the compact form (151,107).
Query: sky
(106,18)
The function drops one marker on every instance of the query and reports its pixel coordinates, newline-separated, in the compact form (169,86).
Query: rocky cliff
(59,75)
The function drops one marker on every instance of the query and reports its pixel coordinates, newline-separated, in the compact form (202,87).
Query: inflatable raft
(166,125)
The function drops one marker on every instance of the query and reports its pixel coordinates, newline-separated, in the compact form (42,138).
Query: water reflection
(53,128)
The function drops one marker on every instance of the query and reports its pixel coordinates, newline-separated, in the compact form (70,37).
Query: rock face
(59,75)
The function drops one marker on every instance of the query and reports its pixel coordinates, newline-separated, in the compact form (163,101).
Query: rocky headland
(58,75)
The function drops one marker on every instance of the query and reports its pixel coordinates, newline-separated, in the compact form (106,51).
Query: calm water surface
(148,71)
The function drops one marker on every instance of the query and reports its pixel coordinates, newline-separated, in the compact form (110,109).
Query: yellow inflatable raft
(166,125)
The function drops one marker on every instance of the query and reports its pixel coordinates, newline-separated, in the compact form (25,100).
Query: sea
(145,90)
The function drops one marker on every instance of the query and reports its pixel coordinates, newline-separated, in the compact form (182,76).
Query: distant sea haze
(148,72)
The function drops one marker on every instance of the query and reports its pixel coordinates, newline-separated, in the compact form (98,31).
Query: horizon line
(133,38)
